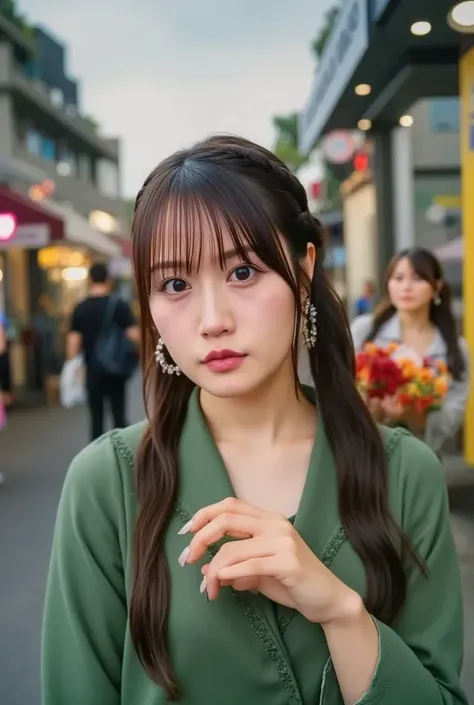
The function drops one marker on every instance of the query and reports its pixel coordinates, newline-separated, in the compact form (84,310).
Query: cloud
(162,74)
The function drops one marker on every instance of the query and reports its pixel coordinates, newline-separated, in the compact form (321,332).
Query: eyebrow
(178,265)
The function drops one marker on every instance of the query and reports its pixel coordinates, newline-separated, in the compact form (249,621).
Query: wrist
(349,609)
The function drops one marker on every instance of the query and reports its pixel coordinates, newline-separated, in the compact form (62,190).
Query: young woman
(416,313)
(249,543)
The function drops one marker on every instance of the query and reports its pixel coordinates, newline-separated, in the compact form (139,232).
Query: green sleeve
(421,656)
(85,613)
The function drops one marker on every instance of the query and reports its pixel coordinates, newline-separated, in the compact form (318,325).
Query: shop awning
(78,231)
(28,212)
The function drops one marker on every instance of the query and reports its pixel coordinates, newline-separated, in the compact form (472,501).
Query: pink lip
(223,360)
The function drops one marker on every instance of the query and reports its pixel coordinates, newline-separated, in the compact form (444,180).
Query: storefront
(44,267)
(383,56)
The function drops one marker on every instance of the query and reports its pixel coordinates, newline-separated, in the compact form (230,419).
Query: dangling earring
(437,299)
(168,368)
(309,328)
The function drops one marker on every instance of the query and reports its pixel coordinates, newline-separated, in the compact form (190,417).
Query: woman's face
(407,290)
(228,329)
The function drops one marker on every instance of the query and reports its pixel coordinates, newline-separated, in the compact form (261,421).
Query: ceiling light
(363,89)
(364,124)
(420,29)
(461,17)
(406,121)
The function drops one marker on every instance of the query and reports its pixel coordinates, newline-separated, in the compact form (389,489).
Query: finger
(261,566)
(237,526)
(237,552)
(230,505)
(244,584)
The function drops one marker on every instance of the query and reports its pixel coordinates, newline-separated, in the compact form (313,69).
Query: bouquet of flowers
(418,383)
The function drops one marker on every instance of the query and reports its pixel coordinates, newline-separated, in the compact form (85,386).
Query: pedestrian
(365,303)
(340,581)
(416,312)
(90,319)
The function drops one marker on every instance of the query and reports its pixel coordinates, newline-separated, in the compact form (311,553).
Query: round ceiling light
(363,89)
(364,124)
(406,121)
(461,17)
(420,29)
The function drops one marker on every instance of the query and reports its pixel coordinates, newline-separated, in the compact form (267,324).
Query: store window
(33,142)
(107,178)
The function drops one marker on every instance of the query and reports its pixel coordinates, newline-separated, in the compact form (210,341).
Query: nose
(216,315)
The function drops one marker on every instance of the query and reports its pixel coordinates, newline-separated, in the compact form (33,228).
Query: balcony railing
(83,129)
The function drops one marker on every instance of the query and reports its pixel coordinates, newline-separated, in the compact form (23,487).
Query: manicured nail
(184,557)
(186,528)
(202,587)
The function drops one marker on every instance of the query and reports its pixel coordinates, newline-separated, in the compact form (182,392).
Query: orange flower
(363,375)
(425,375)
(390,349)
(371,348)
(408,368)
(442,367)
(440,386)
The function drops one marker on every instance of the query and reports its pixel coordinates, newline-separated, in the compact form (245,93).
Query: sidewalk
(36,449)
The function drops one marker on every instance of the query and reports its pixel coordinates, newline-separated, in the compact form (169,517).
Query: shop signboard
(346,46)
(28,237)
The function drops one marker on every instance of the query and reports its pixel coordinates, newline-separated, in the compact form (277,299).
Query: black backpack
(114,354)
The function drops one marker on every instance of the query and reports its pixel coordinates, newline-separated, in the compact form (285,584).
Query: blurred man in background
(89,319)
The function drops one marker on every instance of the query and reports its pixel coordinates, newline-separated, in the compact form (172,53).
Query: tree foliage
(319,43)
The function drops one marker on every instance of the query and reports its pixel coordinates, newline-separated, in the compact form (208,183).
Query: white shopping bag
(71,385)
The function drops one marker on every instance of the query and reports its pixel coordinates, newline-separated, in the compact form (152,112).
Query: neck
(272,413)
(99,290)
(415,320)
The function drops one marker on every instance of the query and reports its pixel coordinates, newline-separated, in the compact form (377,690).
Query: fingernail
(186,528)
(202,587)
(184,557)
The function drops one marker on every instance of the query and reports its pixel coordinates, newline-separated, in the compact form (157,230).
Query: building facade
(60,178)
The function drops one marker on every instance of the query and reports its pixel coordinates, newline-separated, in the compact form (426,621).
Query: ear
(439,286)
(309,260)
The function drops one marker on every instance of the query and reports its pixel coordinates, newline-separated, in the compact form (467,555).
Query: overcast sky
(163,73)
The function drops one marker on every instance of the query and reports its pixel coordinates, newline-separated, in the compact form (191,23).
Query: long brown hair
(427,267)
(231,185)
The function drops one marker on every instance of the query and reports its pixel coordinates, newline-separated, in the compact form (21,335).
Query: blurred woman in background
(416,312)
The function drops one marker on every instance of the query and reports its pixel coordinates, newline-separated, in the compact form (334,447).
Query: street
(35,451)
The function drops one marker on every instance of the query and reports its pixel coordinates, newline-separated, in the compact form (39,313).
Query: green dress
(240,649)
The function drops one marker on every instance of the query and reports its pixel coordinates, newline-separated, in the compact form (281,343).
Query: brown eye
(175,286)
(243,273)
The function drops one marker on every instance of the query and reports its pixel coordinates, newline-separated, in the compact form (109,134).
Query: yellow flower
(413,390)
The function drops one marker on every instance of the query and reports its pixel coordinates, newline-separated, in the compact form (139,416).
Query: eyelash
(165,283)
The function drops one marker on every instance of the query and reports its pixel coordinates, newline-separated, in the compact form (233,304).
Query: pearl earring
(167,367)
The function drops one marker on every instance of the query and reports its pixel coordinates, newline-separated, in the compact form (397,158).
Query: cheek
(270,311)
(424,292)
(164,315)
(392,289)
